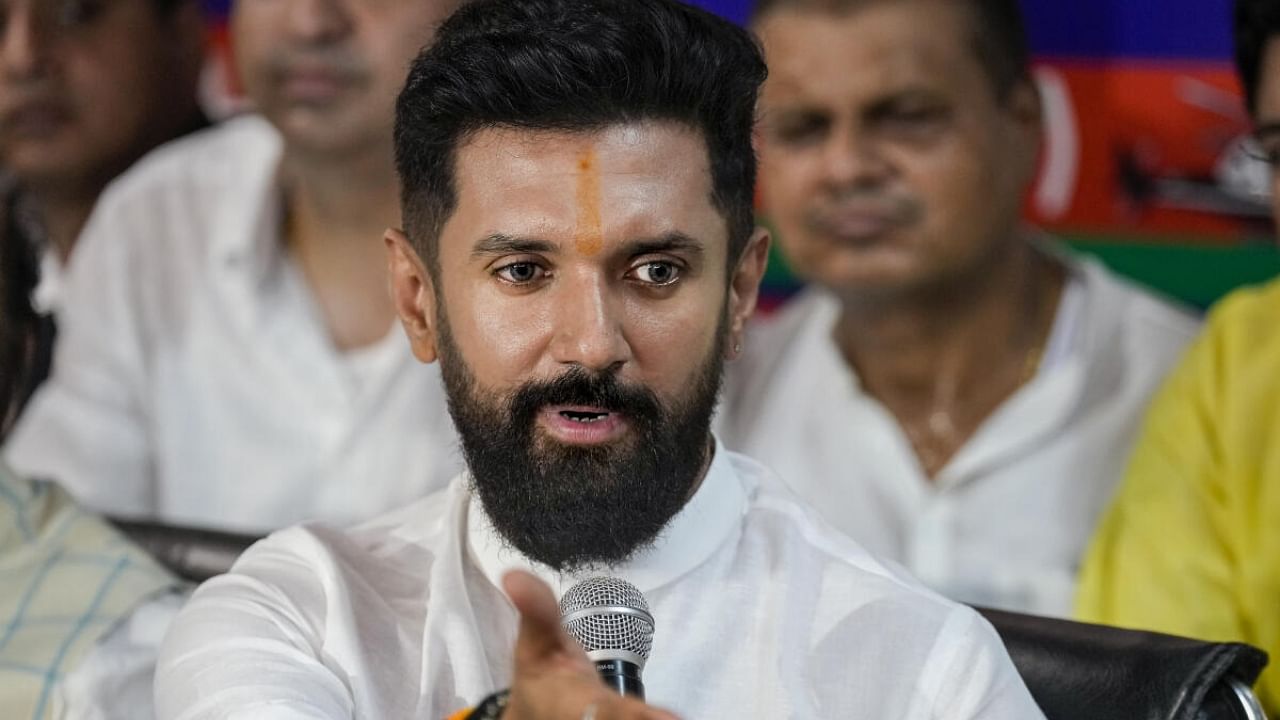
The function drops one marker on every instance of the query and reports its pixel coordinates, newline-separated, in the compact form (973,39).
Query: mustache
(579,386)
(899,209)
(20,94)
(332,59)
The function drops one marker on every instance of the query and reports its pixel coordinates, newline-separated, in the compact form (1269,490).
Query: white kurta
(761,612)
(1005,523)
(194,379)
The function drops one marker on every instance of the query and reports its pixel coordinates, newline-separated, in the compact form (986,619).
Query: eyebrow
(1267,128)
(503,244)
(667,242)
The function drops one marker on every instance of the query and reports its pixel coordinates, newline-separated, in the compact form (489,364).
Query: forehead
(874,47)
(397,16)
(633,180)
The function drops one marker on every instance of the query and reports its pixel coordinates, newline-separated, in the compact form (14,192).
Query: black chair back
(1078,671)
(192,554)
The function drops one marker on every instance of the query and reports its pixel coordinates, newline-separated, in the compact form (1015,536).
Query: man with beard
(580,257)
(229,355)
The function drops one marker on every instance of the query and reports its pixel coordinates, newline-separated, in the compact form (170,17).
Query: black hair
(1256,23)
(998,34)
(26,337)
(577,65)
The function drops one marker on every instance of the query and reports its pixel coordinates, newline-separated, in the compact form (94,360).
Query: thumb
(540,636)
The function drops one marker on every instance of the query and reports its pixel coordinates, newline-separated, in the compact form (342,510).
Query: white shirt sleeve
(247,647)
(970,676)
(114,681)
(86,428)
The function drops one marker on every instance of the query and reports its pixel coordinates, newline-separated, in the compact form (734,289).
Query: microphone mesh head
(604,613)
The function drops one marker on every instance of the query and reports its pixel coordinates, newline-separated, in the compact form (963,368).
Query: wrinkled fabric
(1005,523)
(761,611)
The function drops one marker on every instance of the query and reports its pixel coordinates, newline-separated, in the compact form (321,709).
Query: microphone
(610,619)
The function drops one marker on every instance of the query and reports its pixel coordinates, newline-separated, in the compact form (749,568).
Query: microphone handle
(622,676)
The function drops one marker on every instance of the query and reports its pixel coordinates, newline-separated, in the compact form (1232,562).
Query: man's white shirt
(761,611)
(1006,521)
(194,380)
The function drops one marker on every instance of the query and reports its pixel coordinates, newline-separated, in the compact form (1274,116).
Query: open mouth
(583,424)
(583,416)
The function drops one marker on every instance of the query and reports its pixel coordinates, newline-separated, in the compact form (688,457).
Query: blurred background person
(86,87)
(1191,544)
(228,357)
(953,391)
(82,610)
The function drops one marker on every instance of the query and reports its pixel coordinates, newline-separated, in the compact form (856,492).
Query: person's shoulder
(792,526)
(160,216)
(232,143)
(1240,346)
(407,539)
(854,586)
(810,312)
(1247,309)
(204,164)
(1143,315)
(775,345)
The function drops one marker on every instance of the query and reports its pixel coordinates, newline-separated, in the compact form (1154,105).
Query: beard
(573,507)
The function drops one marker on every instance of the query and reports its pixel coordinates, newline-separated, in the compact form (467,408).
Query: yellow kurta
(1191,543)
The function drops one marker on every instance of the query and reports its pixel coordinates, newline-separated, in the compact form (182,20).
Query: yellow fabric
(1191,543)
(66,577)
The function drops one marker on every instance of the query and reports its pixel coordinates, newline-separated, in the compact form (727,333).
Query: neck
(63,213)
(935,345)
(941,361)
(336,215)
(341,198)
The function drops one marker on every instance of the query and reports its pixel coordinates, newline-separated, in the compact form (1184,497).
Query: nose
(25,50)
(852,159)
(320,20)
(588,326)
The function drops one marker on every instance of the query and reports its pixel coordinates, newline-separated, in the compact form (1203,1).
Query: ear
(744,286)
(413,293)
(1025,110)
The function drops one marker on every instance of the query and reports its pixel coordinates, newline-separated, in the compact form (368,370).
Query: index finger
(540,636)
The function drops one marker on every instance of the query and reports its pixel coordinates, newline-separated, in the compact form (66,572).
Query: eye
(656,272)
(799,128)
(915,118)
(520,273)
(918,116)
(910,118)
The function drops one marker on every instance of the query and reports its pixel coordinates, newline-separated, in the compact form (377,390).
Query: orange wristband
(490,708)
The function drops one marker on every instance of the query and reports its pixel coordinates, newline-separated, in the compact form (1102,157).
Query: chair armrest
(193,554)
(1078,670)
